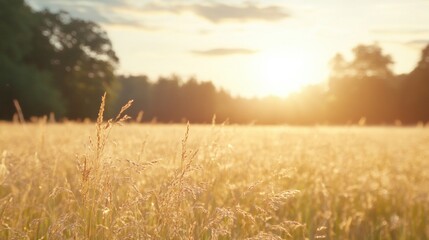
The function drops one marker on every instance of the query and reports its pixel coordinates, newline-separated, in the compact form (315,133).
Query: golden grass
(77,181)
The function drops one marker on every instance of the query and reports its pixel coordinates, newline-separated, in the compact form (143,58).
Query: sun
(281,73)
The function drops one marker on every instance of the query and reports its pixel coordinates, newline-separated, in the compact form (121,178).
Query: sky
(252,48)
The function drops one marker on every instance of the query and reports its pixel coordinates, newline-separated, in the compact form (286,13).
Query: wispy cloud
(109,11)
(103,11)
(400,31)
(224,51)
(220,12)
(418,43)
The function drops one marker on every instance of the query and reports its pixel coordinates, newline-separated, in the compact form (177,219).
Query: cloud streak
(102,12)
(400,31)
(223,52)
(418,42)
(216,12)
(219,12)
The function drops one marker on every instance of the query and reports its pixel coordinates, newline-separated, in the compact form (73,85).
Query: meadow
(117,180)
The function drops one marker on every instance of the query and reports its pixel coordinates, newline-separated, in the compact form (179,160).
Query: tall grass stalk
(96,206)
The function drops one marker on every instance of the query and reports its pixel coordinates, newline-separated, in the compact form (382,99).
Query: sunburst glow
(283,72)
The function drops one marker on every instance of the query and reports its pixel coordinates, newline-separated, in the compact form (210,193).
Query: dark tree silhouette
(362,88)
(416,91)
(166,99)
(32,87)
(80,57)
(139,89)
(192,107)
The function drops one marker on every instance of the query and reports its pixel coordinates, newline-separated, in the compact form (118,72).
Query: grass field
(88,181)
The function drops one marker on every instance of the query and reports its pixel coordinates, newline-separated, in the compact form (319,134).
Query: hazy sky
(252,47)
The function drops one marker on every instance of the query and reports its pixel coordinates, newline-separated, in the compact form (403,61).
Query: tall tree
(166,99)
(416,91)
(139,89)
(197,101)
(31,86)
(361,88)
(80,56)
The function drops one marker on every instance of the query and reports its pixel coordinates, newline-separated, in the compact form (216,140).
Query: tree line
(359,90)
(52,62)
